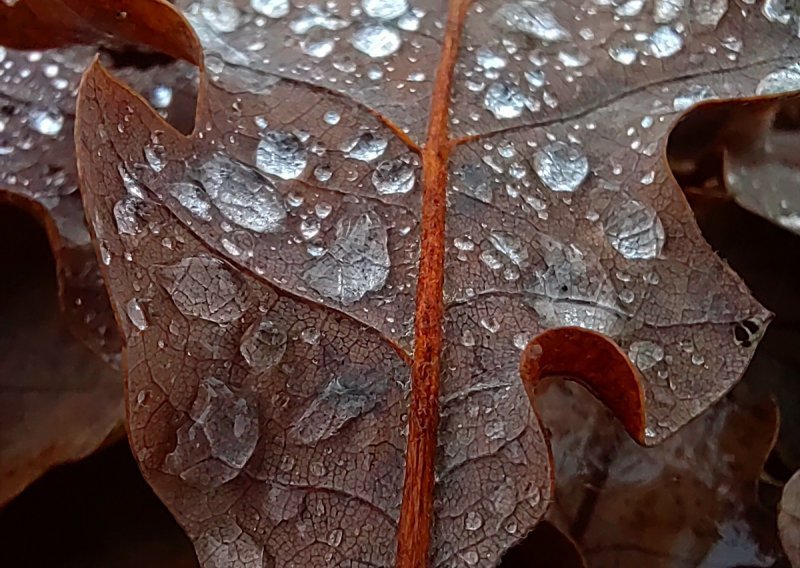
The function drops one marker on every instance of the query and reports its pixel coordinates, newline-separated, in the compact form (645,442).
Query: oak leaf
(324,289)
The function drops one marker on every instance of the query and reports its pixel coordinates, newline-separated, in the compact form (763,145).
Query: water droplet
(665,42)
(385,9)
(192,198)
(271,8)
(780,81)
(130,183)
(356,263)
(470,557)
(316,17)
(691,96)
(709,12)
(473,521)
(645,354)
(136,314)
(128,213)
(318,49)
(534,19)
(220,438)
(376,41)
(779,11)
(488,59)
(698,359)
(504,100)
(345,397)
(623,54)
(322,210)
(495,430)
(365,147)
(634,230)
(511,247)
(263,345)
(204,287)
(332,117)
(473,180)
(241,194)
(46,121)
(394,176)
(222,15)
(161,96)
(281,154)
(310,335)
(560,166)
(667,10)
(155,155)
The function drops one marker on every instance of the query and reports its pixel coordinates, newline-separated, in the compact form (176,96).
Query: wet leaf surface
(58,401)
(324,300)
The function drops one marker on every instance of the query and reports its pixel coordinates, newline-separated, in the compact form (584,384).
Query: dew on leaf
(385,9)
(356,263)
(394,176)
(241,194)
(192,198)
(127,215)
(136,314)
(634,230)
(348,395)
(263,345)
(561,166)
(281,154)
(666,11)
(534,19)
(665,42)
(504,100)
(366,147)
(45,121)
(155,154)
(376,41)
(271,8)
(473,180)
(692,95)
(780,81)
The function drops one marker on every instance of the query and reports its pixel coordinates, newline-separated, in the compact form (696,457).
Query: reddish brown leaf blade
(58,401)
(314,195)
(595,362)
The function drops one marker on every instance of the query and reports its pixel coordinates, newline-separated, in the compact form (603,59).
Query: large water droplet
(281,154)
(222,15)
(634,230)
(204,287)
(347,395)
(666,11)
(534,19)
(271,8)
(356,263)
(394,176)
(780,81)
(560,166)
(221,436)
(665,42)
(192,198)
(241,194)
(46,121)
(376,41)
(504,100)
(366,147)
(385,9)
(263,345)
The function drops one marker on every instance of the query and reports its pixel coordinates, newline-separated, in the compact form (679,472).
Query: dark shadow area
(97,513)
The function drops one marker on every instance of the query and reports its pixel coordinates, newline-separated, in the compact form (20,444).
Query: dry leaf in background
(690,501)
(280,273)
(789,520)
(58,400)
(38,176)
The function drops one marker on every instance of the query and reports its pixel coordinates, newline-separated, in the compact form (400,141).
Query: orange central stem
(416,513)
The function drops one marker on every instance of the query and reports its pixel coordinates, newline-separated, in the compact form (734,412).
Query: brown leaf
(789,519)
(58,401)
(690,501)
(282,272)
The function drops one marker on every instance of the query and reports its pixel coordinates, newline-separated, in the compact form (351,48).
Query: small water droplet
(263,345)
(335,537)
(645,354)
(534,19)
(332,117)
(634,230)
(136,314)
(155,154)
(473,521)
(46,121)
(504,100)
(665,42)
